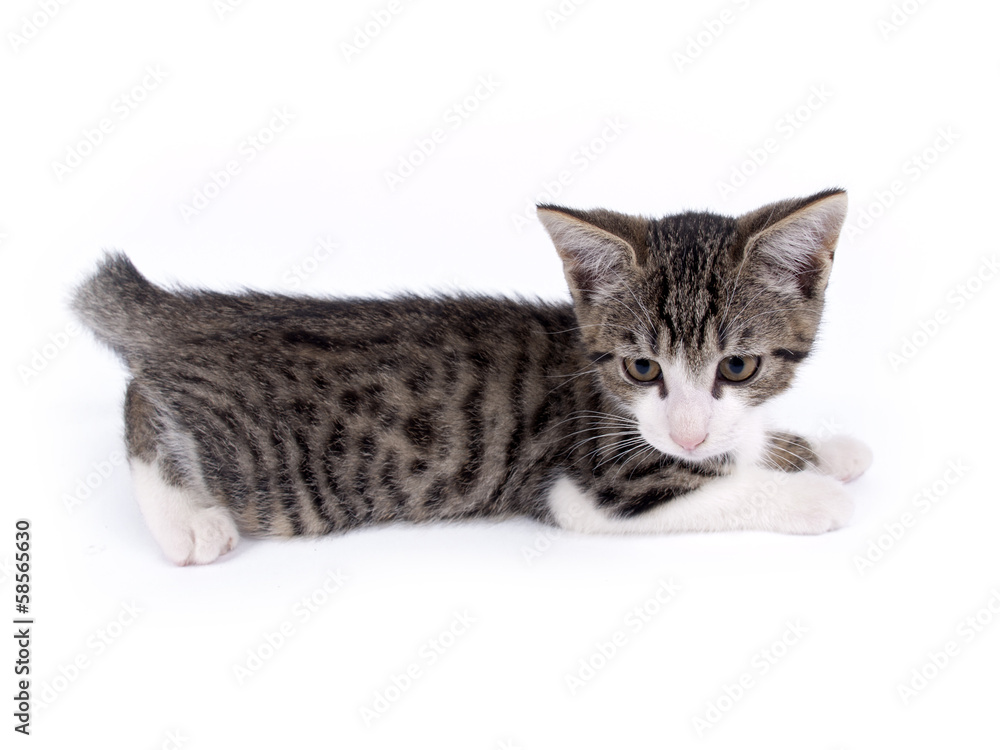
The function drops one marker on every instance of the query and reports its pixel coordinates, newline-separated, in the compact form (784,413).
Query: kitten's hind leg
(188,530)
(187,524)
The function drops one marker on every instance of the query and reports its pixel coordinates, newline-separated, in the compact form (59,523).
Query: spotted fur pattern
(311,416)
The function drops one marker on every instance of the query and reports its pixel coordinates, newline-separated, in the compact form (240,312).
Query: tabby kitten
(637,408)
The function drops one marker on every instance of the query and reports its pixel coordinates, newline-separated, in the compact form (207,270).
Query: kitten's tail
(119,305)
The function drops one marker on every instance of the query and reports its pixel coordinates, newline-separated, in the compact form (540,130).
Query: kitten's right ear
(793,241)
(596,247)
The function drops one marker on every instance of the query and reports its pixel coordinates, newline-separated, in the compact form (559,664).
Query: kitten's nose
(688,441)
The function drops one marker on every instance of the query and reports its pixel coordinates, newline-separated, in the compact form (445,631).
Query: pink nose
(688,441)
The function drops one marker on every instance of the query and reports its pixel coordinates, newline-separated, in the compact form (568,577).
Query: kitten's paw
(213,534)
(188,530)
(844,458)
(198,537)
(811,503)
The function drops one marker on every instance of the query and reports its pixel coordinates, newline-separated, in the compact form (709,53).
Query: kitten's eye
(739,368)
(642,370)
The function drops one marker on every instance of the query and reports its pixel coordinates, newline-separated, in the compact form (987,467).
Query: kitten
(637,408)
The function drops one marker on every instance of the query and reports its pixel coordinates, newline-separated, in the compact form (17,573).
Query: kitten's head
(694,320)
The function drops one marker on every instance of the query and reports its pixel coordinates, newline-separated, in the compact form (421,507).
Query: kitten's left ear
(794,240)
(597,247)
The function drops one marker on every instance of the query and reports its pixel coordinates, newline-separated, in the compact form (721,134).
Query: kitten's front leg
(796,490)
(753,498)
(842,457)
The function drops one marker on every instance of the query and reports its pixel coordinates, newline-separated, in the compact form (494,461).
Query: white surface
(548,98)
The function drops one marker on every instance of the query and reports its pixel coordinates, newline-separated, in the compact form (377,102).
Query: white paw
(198,536)
(213,534)
(844,458)
(810,503)
(188,530)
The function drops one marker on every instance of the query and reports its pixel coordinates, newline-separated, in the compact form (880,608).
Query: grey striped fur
(312,416)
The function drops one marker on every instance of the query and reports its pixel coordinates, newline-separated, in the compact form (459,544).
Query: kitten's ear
(596,247)
(793,241)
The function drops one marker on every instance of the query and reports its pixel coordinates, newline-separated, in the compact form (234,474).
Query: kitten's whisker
(770,464)
(809,464)
(623,438)
(604,427)
(599,417)
(631,452)
(585,414)
(570,375)
(580,443)
(797,444)
(624,449)
(642,456)
(603,414)
(596,416)
(567,379)
(617,449)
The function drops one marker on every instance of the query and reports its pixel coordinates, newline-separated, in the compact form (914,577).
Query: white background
(853,94)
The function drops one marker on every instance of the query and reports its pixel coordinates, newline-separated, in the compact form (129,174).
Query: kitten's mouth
(690,449)
(704,451)
(697,454)
(690,452)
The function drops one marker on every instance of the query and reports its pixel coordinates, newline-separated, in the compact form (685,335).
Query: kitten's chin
(699,454)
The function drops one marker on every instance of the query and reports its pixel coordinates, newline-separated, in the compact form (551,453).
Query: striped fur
(313,416)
